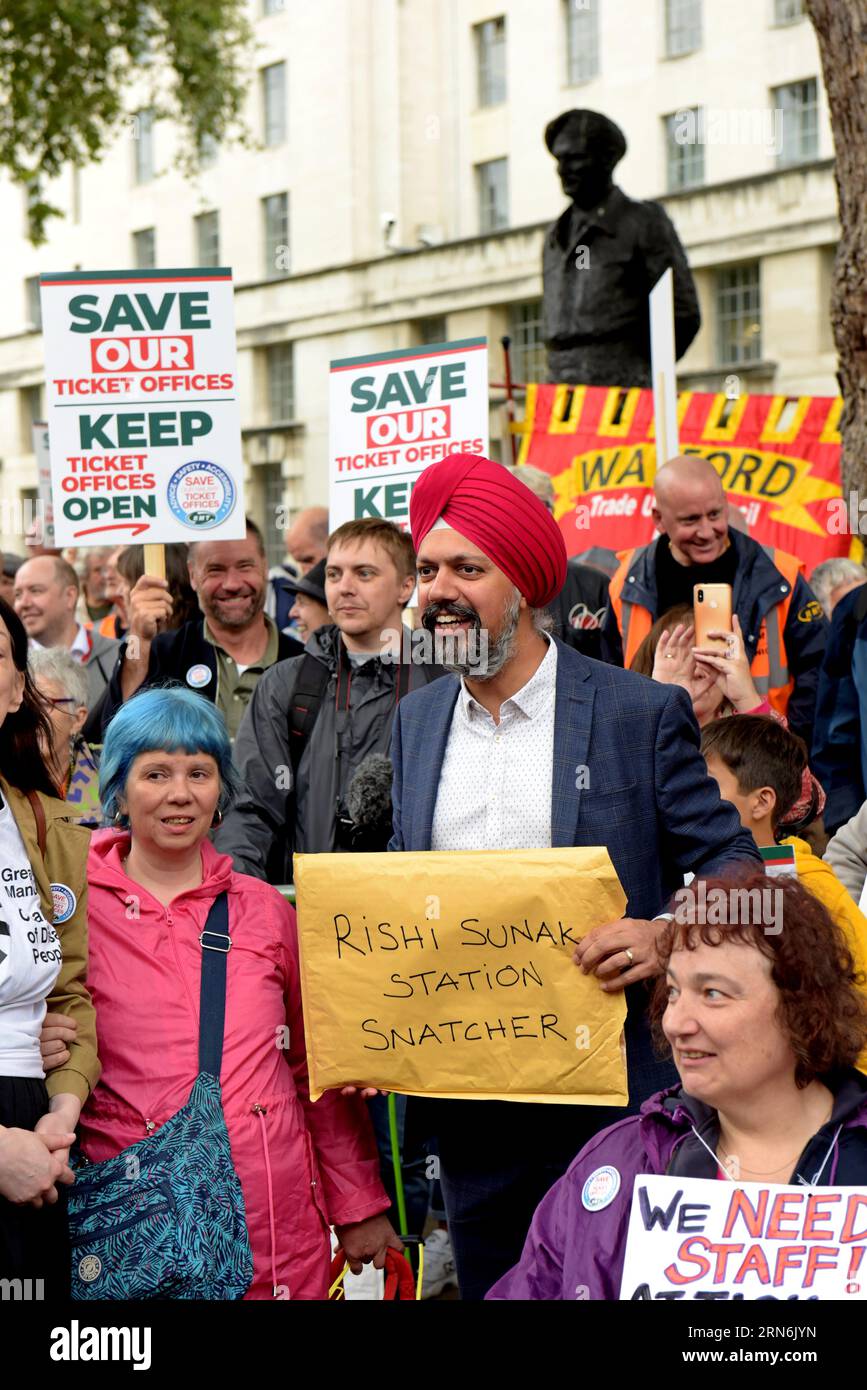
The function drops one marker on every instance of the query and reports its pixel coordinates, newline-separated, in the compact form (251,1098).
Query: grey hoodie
(99,666)
(847,853)
(272,818)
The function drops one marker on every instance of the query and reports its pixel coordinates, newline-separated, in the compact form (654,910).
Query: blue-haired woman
(165,777)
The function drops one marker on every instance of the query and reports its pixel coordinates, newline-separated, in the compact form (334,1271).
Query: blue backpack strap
(216,943)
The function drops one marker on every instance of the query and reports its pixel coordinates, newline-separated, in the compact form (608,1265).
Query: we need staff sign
(143,420)
(394,413)
(694,1238)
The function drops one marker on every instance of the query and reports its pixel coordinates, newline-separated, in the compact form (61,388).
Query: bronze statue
(601,259)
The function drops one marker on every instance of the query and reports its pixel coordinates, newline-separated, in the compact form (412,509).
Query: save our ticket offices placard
(143,418)
(394,413)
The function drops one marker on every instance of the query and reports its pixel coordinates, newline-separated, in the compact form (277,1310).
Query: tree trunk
(841,27)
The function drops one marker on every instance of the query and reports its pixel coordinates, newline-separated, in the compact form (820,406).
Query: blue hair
(168,718)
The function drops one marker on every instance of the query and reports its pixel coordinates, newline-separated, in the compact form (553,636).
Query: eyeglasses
(63,700)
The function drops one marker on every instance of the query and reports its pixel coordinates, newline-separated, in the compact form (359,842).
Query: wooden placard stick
(155,561)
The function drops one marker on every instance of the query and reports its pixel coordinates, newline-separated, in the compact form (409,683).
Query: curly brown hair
(822,1011)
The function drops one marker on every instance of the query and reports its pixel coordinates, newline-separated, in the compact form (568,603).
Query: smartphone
(712,608)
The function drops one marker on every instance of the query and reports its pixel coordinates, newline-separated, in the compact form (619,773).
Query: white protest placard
(663,369)
(43,476)
(394,413)
(143,420)
(694,1238)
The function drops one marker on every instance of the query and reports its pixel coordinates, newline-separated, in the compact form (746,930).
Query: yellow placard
(451,974)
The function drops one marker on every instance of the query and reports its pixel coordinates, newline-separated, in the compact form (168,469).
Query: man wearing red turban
(484,502)
(518,553)
(536,746)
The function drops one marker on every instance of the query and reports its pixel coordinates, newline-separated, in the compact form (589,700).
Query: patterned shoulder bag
(165,1217)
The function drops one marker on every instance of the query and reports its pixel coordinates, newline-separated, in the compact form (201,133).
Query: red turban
(485,503)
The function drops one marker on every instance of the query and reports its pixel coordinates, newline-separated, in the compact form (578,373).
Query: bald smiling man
(782,622)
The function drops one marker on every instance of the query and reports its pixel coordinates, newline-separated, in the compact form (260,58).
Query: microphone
(368,798)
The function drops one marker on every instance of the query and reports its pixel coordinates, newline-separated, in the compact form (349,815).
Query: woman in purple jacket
(765,1023)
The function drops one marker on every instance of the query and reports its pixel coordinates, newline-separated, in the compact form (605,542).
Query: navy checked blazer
(647,795)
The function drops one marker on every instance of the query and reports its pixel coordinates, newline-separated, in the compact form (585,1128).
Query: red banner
(778,458)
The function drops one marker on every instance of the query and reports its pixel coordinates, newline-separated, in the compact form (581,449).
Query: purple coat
(577,1240)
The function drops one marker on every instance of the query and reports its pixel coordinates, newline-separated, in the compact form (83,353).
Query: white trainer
(439,1264)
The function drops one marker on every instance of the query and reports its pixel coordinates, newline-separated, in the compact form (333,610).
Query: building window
(208,150)
(34,409)
(491,61)
(529,361)
(684,149)
(207,238)
(142,131)
(582,40)
(280,373)
(273,6)
(275,215)
(144,38)
(493,188)
(274,103)
(799,116)
(144,248)
(739,315)
(682,27)
(34,302)
(270,478)
(430,330)
(788,11)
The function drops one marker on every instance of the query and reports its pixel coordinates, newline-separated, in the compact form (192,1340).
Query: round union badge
(197,676)
(600,1189)
(65,902)
(90,1268)
(201,494)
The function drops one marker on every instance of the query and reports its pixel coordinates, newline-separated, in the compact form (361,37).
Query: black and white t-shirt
(30,956)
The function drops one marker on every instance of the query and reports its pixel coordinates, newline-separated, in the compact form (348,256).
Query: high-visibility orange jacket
(106,627)
(783,624)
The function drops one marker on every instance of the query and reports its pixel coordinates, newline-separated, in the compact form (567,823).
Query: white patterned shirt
(30,956)
(495,784)
(80,648)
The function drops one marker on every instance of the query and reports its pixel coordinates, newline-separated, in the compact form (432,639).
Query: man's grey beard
(212,611)
(489,656)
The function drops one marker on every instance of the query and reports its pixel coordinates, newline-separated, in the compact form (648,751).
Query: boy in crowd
(759,766)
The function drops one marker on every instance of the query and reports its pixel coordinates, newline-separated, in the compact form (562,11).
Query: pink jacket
(301,1165)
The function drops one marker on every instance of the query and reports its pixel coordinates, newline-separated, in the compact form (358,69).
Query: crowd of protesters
(173,743)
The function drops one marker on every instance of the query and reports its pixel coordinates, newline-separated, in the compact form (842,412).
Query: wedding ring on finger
(629,956)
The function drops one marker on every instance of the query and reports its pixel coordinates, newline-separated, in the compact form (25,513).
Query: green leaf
(66,67)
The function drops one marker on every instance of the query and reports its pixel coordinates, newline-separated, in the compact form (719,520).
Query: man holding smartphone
(783,626)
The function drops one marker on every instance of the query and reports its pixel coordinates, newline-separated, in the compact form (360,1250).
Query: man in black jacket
(315,719)
(220,655)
